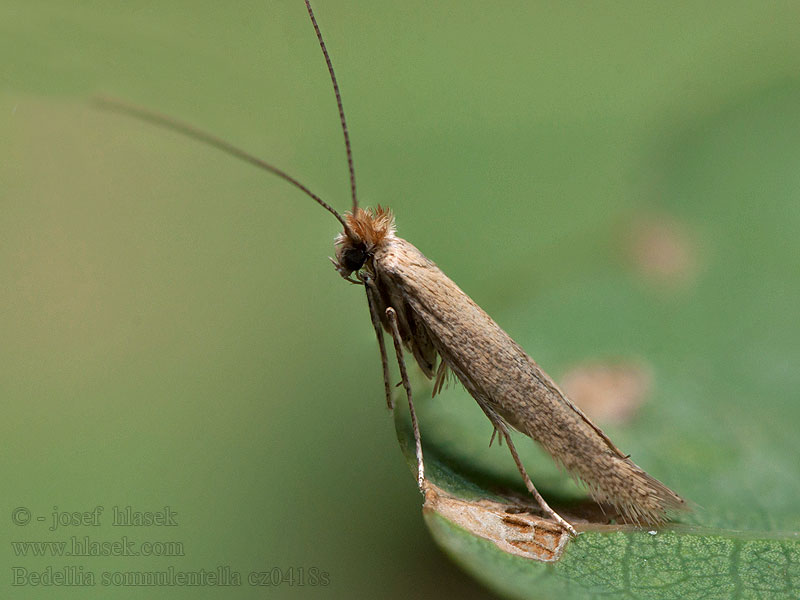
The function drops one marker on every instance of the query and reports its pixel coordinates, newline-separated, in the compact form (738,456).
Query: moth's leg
(441,378)
(369,286)
(500,425)
(398,348)
(499,439)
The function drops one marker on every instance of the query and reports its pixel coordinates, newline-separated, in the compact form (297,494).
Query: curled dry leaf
(508,526)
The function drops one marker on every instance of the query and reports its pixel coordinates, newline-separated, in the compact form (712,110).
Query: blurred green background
(174,335)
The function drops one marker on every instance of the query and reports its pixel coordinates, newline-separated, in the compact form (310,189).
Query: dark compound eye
(354,257)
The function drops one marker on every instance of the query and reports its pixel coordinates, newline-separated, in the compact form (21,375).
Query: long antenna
(198,134)
(347,146)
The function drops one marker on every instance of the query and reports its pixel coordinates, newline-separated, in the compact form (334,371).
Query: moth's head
(368,229)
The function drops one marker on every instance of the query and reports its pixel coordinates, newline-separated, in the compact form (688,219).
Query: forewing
(499,374)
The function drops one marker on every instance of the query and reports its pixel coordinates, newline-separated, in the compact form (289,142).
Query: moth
(430,317)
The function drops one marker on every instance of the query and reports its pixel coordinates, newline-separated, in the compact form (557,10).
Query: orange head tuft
(368,229)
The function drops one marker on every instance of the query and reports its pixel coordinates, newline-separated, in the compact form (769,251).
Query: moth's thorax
(369,229)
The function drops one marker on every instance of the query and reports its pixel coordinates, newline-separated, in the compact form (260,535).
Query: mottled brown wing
(497,372)
(412,329)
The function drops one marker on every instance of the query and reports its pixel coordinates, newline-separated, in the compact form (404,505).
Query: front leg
(398,348)
(372,301)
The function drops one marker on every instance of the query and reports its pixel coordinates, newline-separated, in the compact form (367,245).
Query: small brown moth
(427,314)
